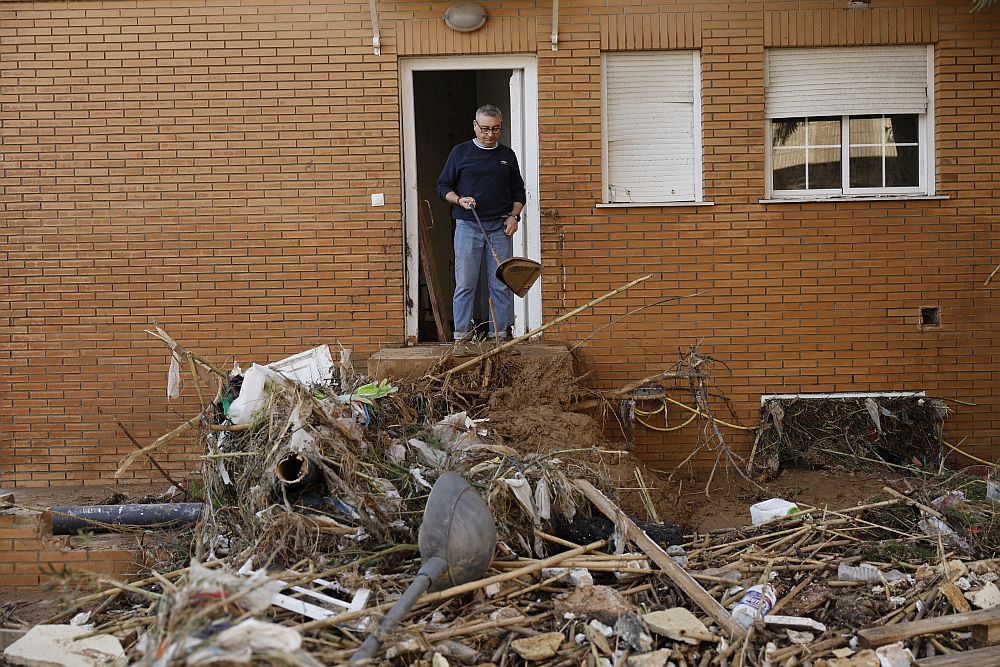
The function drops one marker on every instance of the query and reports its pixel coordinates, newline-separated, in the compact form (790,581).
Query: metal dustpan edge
(519,274)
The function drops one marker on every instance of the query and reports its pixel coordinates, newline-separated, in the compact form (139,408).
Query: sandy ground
(834,489)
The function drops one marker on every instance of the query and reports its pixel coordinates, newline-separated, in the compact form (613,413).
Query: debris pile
(823,430)
(857,586)
(320,517)
(321,472)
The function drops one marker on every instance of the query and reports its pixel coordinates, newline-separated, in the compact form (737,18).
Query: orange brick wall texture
(209,167)
(32,556)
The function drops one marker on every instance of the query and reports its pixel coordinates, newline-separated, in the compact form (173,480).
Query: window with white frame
(652,130)
(851,121)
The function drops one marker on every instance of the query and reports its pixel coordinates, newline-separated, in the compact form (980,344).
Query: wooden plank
(431,277)
(980,657)
(880,636)
(677,574)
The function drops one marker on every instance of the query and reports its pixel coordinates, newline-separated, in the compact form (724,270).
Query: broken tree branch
(562,318)
(153,461)
(167,437)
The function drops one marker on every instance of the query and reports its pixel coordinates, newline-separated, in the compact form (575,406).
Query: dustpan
(517,273)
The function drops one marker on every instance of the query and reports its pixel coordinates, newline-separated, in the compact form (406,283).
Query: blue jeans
(470,251)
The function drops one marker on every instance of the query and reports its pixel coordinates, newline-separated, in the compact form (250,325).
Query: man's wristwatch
(516,216)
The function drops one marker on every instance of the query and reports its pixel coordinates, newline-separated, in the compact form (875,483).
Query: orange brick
(142,202)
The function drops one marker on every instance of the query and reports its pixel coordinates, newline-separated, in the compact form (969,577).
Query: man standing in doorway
(483,174)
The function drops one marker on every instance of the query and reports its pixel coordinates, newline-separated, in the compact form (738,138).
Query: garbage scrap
(325,529)
(848,430)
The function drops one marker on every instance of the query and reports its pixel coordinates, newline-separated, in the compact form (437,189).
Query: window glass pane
(903,129)
(893,138)
(824,132)
(788,132)
(789,168)
(801,141)
(902,167)
(868,130)
(866,166)
(824,169)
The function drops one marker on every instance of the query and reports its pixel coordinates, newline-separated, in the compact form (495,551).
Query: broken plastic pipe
(68,519)
(295,470)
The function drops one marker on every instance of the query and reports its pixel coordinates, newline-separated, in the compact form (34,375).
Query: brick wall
(33,557)
(208,168)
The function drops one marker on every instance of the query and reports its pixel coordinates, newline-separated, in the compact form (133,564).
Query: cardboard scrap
(678,624)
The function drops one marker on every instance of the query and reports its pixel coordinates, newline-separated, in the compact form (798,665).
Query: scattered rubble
(312,494)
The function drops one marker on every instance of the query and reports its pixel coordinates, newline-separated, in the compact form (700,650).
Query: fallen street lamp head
(465,17)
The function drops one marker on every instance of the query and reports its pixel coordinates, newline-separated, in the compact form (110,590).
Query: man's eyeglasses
(488,130)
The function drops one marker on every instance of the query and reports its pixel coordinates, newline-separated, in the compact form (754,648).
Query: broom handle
(487,236)
(429,572)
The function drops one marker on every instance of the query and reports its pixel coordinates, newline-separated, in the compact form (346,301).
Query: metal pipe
(68,519)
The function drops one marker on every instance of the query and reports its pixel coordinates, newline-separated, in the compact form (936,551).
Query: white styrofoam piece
(57,646)
(315,612)
(794,622)
(309,368)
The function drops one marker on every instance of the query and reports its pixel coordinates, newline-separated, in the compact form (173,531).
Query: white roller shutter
(650,126)
(846,81)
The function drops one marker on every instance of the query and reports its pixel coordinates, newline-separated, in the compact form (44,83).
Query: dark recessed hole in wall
(930,316)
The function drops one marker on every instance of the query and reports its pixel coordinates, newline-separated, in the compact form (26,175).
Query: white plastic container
(755,603)
(769,509)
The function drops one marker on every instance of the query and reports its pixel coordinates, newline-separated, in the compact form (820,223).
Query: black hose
(68,519)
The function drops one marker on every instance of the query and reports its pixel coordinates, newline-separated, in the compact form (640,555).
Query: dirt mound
(526,381)
(545,428)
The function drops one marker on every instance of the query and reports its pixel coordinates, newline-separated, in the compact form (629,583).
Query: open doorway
(439,99)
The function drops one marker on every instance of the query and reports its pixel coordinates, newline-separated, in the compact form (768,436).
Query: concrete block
(411,363)
(56,646)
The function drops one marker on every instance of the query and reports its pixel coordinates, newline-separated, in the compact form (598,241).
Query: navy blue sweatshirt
(490,175)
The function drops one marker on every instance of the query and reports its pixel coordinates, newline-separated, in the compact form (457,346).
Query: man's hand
(510,225)
(467,202)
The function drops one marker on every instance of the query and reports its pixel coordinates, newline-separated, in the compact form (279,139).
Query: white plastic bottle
(755,603)
(769,509)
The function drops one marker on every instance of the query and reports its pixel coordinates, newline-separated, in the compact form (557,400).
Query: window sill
(657,204)
(841,198)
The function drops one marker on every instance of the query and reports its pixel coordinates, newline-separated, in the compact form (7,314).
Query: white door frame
(523,126)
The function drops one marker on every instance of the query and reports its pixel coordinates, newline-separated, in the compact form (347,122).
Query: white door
(521,129)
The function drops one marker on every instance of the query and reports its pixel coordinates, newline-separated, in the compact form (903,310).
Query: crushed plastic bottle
(755,603)
(770,509)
